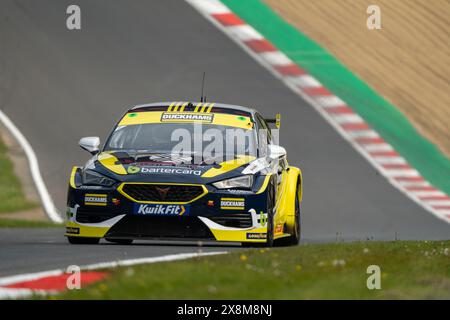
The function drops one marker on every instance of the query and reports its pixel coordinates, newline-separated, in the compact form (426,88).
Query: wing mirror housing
(275,152)
(90,144)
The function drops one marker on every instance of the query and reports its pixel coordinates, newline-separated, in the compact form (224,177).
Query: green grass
(15,223)
(409,270)
(11,196)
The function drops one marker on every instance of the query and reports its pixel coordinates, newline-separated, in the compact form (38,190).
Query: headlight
(256,166)
(93,178)
(242,182)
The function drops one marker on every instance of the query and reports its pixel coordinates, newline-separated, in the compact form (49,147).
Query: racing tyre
(82,240)
(120,241)
(270,213)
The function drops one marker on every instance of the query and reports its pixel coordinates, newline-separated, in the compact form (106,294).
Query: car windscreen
(183,138)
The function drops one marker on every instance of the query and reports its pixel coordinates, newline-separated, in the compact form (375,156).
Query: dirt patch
(407,62)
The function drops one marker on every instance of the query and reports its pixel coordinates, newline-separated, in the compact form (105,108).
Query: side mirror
(90,144)
(275,152)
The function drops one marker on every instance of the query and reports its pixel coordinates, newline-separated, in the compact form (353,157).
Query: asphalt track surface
(59,85)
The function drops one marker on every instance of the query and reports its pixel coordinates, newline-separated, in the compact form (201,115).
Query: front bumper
(215,215)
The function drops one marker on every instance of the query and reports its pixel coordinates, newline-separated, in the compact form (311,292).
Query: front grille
(160,227)
(85,216)
(162,192)
(234,220)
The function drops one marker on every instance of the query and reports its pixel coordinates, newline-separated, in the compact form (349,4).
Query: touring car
(190,171)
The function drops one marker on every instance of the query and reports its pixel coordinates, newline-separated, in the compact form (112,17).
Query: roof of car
(214,104)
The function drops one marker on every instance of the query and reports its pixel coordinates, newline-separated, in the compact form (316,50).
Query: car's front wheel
(83,240)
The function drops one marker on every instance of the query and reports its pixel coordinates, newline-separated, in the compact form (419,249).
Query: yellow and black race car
(182,170)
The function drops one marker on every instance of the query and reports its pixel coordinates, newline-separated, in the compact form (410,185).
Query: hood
(166,167)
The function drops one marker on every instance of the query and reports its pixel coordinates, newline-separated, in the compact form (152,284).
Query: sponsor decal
(161,209)
(162,170)
(72,230)
(263,219)
(254,235)
(258,220)
(92,199)
(188,117)
(232,203)
(279,229)
(133,169)
(90,187)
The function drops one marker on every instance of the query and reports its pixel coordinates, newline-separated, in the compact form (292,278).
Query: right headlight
(242,182)
(96,179)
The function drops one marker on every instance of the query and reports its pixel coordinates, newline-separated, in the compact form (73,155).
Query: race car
(186,171)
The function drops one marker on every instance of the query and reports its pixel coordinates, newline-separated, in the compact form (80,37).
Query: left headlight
(96,179)
(242,182)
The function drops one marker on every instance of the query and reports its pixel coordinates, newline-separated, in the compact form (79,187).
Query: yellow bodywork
(284,218)
(237,235)
(112,163)
(72,177)
(285,205)
(222,119)
(228,166)
(86,231)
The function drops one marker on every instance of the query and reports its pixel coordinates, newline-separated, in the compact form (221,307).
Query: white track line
(132,262)
(8,293)
(46,199)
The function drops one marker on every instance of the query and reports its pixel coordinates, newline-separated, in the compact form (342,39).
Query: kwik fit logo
(161,209)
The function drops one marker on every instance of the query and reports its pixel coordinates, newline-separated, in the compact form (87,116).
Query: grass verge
(12,198)
(409,270)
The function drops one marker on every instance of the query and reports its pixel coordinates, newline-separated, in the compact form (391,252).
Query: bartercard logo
(161,209)
(162,170)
